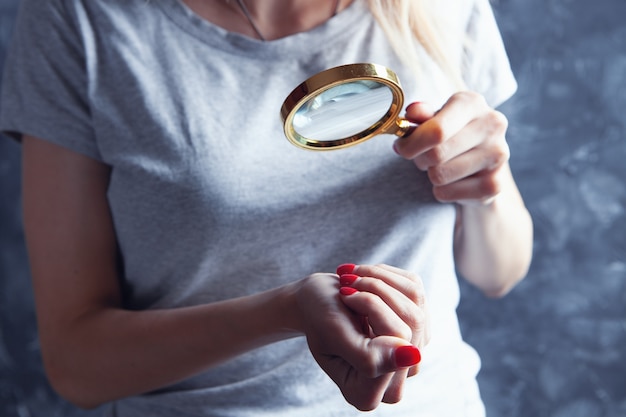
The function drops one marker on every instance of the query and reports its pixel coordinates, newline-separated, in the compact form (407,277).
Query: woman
(183,252)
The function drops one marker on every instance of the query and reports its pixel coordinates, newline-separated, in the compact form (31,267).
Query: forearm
(113,353)
(94,350)
(493,242)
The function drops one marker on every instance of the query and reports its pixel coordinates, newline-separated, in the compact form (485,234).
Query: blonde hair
(406,22)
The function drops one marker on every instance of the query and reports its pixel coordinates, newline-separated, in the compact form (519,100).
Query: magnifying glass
(344,106)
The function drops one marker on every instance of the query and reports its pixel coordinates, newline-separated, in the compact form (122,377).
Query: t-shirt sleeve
(486,65)
(45,82)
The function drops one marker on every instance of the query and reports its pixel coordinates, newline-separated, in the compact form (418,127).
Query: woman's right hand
(95,350)
(369,366)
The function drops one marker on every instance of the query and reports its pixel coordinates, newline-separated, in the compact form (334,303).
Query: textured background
(556,346)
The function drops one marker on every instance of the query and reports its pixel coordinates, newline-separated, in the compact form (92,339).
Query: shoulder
(477,46)
(460,15)
(73,14)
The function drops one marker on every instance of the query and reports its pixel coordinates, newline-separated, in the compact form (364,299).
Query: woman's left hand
(462,147)
(402,292)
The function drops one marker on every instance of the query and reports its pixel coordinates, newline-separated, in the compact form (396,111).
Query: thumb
(369,358)
(406,356)
(419,112)
(365,374)
(388,354)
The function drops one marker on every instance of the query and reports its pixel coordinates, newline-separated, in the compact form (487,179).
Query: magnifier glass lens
(343,110)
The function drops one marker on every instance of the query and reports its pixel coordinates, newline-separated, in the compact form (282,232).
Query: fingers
(464,140)
(333,329)
(366,381)
(388,311)
(369,367)
(474,158)
(395,387)
(383,309)
(419,112)
(381,317)
(407,283)
(480,188)
(382,320)
(370,357)
(475,133)
(400,291)
(459,111)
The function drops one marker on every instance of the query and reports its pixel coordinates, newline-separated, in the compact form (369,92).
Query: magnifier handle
(403,127)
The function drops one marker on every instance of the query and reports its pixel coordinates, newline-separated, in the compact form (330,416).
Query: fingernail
(347,279)
(407,355)
(415,103)
(347,290)
(345,269)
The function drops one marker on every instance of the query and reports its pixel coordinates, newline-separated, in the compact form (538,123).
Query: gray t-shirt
(211,202)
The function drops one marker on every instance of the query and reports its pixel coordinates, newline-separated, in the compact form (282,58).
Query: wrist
(287,313)
(301,303)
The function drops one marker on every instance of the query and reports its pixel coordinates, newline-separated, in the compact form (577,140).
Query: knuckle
(438,175)
(498,121)
(414,278)
(419,298)
(441,193)
(407,330)
(375,269)
(490,186)
(369,300)
(469,97)
(437,133)
(369,366)
(438,154)
(414,292)
(501,154)
(372,285)
(421,163)
(379,267)
(417,320)
(420,319)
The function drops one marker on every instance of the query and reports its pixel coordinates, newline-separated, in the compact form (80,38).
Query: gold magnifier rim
(325,80)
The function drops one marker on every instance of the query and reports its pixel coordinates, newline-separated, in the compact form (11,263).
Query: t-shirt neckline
(337,28)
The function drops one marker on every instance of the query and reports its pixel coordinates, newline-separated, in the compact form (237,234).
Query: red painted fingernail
(347,279)
(345,269)
(347,290)
(407,356)
(415,103)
